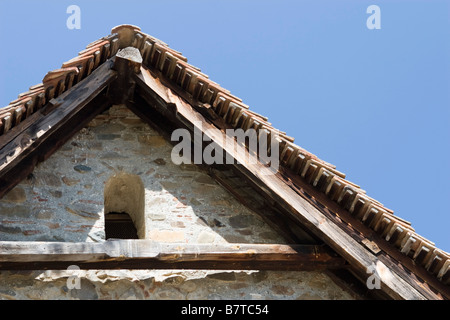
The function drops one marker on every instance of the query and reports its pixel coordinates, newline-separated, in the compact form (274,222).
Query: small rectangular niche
(119,226)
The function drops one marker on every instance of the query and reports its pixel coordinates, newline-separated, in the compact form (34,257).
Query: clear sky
(373,102)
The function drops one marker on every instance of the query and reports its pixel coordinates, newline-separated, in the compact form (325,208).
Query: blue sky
(375,103)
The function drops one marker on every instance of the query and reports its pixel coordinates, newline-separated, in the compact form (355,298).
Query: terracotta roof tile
(54,76)
(57,81)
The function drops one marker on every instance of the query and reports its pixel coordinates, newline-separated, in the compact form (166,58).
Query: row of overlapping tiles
(56,82)
(173,65)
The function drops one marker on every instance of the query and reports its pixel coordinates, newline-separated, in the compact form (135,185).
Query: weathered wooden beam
(418,276)
(146,254)
(243,192)
(60,117)
(11,134)
(158,92)
(19,172)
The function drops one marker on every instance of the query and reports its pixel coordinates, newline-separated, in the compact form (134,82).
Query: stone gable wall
(63,200)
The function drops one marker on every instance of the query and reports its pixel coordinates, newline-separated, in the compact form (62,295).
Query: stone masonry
(63,200)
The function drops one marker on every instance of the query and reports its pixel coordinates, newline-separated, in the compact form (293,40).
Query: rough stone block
(11,230)
(223,276)
(108,136)
(45,179)
(82,168)
(154,141)
(206,237)
(16,195)
(19,211)
(167,235)
(69,181)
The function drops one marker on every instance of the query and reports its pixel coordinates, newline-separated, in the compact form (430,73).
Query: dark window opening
(119,226)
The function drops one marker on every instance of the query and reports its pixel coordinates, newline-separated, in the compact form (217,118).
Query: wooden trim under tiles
(175,108)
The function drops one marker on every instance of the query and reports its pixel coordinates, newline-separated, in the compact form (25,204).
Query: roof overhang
(158,82)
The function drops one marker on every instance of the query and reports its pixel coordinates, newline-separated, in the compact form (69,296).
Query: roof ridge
(174,66)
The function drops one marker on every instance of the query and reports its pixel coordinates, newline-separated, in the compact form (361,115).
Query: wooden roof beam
(46,130)
(160,96)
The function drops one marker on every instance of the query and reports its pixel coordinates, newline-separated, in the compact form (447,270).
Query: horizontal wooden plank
(146,254)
